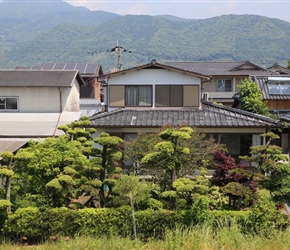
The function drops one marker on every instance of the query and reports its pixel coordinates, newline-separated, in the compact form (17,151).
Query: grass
(198,238)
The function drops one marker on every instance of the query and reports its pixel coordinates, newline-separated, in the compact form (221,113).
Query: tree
(288,64)
(53,172)
(136,149)
(132,188)
(252,98)
(234,181)
(167,152)
(273,167)
(7,173)
(106,159)
(80,131)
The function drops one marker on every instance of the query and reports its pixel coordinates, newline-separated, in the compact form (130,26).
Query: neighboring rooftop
(37,78)
(263,84)
(221,68)
(211,115)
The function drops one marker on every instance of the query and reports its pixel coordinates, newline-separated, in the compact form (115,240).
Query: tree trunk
(8,187)
(8,192)
(133,216)
(173,179)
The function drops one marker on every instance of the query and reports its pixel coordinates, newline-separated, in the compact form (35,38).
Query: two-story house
(147,97)
(34,103)
(225,77)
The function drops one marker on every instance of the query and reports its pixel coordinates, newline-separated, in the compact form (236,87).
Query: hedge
(40,224)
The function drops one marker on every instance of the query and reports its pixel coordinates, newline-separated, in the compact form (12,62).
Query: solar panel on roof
(59,66)
(91,68)
(70,66)
(81,67)
(48,66)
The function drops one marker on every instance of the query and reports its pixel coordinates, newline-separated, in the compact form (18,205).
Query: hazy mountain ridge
(70,36)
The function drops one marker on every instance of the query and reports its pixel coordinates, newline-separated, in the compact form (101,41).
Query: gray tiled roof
(221,68)
(210,115)
(37,78)
(155,65)
(262,83)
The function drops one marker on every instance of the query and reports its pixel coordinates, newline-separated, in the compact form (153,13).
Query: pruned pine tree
(106,159)
(273,167)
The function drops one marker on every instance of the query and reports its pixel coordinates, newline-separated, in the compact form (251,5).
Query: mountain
(80,35)
(25,9)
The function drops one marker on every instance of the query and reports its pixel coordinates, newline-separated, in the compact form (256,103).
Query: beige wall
(44,99)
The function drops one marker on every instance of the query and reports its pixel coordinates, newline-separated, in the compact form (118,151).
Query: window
(8,103)
(277,88)
(138,96)
(224,85)
(169,96)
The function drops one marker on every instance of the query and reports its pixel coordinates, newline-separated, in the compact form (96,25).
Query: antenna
(119,50)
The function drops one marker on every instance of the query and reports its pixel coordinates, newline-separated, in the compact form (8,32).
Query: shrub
(24,222)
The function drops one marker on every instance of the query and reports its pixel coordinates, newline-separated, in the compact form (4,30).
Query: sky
(191,9)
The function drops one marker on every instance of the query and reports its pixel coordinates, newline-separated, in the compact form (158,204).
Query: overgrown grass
(196,238)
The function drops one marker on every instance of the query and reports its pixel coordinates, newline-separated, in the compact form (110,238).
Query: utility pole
(119,49)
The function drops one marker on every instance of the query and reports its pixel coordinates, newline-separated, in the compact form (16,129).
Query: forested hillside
(86,36)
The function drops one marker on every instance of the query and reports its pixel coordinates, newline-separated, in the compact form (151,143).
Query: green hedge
(40,224)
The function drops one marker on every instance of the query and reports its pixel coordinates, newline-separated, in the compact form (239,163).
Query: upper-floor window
(138,96)
(8,103)
(224,85)
(277,88)
(169,96)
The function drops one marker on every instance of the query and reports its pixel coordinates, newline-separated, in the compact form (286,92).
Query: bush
(24,222)
(265,217)
(154,224)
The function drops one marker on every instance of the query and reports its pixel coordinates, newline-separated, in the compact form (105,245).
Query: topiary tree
(273,168)
(106,158)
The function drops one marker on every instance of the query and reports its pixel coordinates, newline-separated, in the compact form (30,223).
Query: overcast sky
(198,9)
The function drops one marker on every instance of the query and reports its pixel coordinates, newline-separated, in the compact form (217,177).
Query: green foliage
(199,212)
(273,167)
(5,204)
(252,98)
(24,222)
(265,217)
(154,224)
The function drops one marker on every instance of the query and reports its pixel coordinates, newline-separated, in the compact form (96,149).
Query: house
(147,97)
(278,69)
(225,77)
(276,93)
(91,95)
(34,103)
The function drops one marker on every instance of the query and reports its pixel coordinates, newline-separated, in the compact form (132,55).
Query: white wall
(153,76)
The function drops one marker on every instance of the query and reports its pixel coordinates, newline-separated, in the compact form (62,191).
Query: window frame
(170,100)
(5,103)
(138,101)
(224,87)
(279,87)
